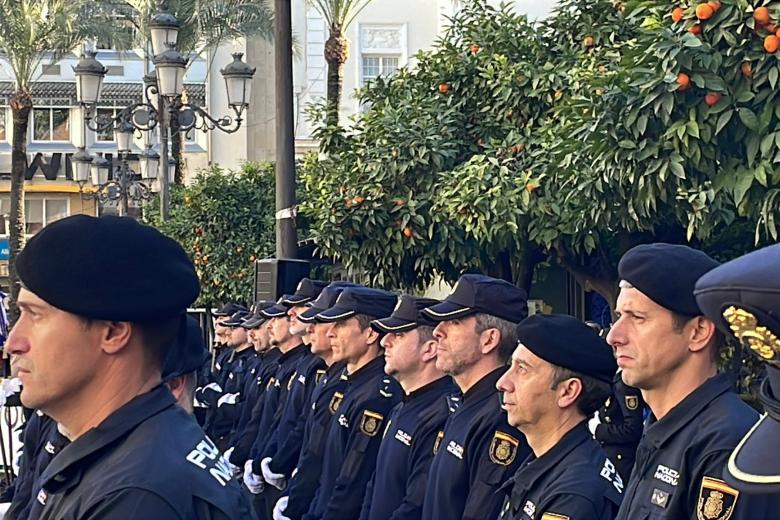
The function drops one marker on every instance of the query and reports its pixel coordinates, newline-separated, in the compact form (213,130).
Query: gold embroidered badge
(335,401)
(437,442)
(290,382)
(632,402)
(370,422)
(318,377)
(761,340)
(503,448)
(553,516)
(717,500)
(270,383)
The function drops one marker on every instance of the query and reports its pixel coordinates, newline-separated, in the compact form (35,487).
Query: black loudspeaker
(275,277)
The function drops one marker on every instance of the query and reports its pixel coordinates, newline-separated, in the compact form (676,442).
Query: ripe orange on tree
(747,70)
(683,82)
(771,44)
(704,11)
(444,88)
(715,4)
(712,98)
(474,48)
(408,232)
(695,29)
(761,15)
(677,14)
(588,41)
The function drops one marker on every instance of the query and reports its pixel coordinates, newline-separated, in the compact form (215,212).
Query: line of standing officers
(347,402)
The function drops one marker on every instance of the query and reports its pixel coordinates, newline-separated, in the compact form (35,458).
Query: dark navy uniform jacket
(42,441)
(222,414)
(573,480)
(253,390)
(622,422)
(477,453)
(352,442)
(325,402)
(680,461)
(147,460)
(285,444)
(212,387)
(273,400)
(398,487)
(293,412)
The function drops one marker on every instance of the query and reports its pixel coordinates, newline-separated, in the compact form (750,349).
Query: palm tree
(32,31)
(338,14)
(206,24)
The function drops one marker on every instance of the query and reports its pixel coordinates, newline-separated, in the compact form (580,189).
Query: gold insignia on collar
(503,448)
(717,500)
(290,381)
(632,402)
(370,422)
(335,401)
(318,377)
(745,327)
(270,383)
(437,442)
(553,516)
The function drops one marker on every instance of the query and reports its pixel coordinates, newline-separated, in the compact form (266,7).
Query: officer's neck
(548,431)
(424,375)
(243,347)
(289,344)
(679,384)
(473,374)
(359,361)
(327,357)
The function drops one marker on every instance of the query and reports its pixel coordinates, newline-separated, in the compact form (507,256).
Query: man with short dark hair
(560,374)
(477,451)
(668,350)
(90,355)
(404,459)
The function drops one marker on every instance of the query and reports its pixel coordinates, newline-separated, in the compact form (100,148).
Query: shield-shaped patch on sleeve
(437,442)
(503,448)
(717,500)
(370,422)
(632,402)
(335,401)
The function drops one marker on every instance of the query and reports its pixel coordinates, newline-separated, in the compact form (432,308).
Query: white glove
(280,507)
(275,479)
(593,423)
(226,457)
(253,483)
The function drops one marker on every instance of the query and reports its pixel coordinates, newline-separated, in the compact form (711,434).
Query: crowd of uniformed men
(348,402)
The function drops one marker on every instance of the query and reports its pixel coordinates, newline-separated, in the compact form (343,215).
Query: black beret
(743,298)
(406,316)
(306,291)
(108,268)
(188,352)
(476,293)
(325,300)
(667,274)
(360,300)
(229,309)
(568,343)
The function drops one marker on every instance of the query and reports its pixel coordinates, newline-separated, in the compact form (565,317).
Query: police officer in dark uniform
(300,456)
(669,350)
(560,372)
(743,298)
(621,424)
(398,487)
(477,451)
(355,432)
(90,355)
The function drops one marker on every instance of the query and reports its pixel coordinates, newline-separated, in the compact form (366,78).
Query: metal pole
(286,239)
(165,196)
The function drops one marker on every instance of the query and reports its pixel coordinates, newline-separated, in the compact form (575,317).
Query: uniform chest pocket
(658,503)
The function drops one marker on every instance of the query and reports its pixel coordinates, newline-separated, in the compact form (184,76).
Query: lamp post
(160,106)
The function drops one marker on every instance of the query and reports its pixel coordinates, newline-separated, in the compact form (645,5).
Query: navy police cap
(566,342)
(237,319)
(306,291)
(406,316)
(476,293)
(108,268)
(667,274)
(326,299)
(360,300)
(187,353)
(228,309)
(257,319)
(277,310)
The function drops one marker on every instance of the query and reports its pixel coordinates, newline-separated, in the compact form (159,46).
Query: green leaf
(723,120)
(748,118)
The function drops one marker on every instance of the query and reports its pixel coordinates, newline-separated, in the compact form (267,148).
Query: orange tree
(224,220)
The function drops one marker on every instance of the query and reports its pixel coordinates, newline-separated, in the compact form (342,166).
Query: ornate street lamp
(238,82)
(89,78)
(170,67)
(165,31)
(149,163)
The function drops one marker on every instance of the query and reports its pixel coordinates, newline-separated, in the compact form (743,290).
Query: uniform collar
(65,469)
(336,368)
(292,353)
(443,383)
(271,354)
(485,386)
(535,468)
(367,371)
(658,432)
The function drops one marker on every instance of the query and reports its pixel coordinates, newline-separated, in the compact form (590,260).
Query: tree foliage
(569,139)
(225,221)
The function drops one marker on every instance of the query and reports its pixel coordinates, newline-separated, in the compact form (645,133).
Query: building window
(3,134)
(107,135)
(38,212)
(51,124)
(376,66)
